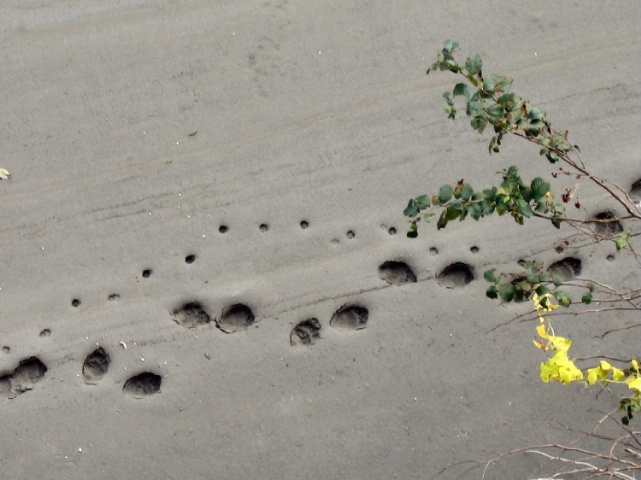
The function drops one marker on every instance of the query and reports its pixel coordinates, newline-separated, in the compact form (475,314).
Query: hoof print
(28,372)
(567,269)
(606,225)
(191,315)
(95,366)
(142,385)
(236,318)
(456,275)
(306,332)
(396,273)
(350,317)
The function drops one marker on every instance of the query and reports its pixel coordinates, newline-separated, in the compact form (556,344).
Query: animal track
(607,228)
(350,317)
(191,315)
(396,273)
(456,275)
(96,365)
(236,318)
(28,372)
(567,269)
(305,332)
(142,385)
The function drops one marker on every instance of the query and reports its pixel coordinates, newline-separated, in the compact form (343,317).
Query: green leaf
(539,188)
(474,64)
(412,209)
(461,89)
(507,292)
(453,211)
(490,276)
(492,292)
(449,46)
(475,210)
(479,123)
(541,290)
(557,280)
(466,192)
(622,240)
(524,208)
(442,220)
(423,202)
(563,299)
(587,298)
(413,232)
(445,194)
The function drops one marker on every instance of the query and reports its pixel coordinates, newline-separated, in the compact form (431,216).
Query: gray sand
(166,157)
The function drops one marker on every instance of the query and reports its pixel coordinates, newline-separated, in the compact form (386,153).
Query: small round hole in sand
(147,273)
(223,229)
(75,302)
(189,259)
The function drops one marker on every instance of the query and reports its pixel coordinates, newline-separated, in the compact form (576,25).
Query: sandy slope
(277,144)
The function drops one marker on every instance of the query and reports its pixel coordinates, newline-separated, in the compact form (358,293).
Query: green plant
(490,102)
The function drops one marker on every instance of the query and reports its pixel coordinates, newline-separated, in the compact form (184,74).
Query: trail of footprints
(238,317)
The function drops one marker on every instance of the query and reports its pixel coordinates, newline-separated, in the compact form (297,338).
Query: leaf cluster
(490,101)
(513,196)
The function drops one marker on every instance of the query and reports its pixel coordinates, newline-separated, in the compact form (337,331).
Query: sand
(197,185)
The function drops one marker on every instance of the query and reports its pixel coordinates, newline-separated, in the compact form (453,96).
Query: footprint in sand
(350,317)
(95,366)
(22,379)
(305,332)
(456,275)
(396,273)
(142,385)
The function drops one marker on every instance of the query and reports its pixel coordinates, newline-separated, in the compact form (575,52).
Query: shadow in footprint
(96,365)
(567,269)
(635,192)
(236,318)
(305,332)
(350,317)
(456,275)
(396,273)
(142,385)
(28,372)
(190,315)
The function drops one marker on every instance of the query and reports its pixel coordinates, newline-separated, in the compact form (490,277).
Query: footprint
(607,228)
(28,372)
(306,332)
(396,273)
(142,385)
(95,366)
(567,269)
(236,318)
(190,315)
(350,317)
(456,275)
